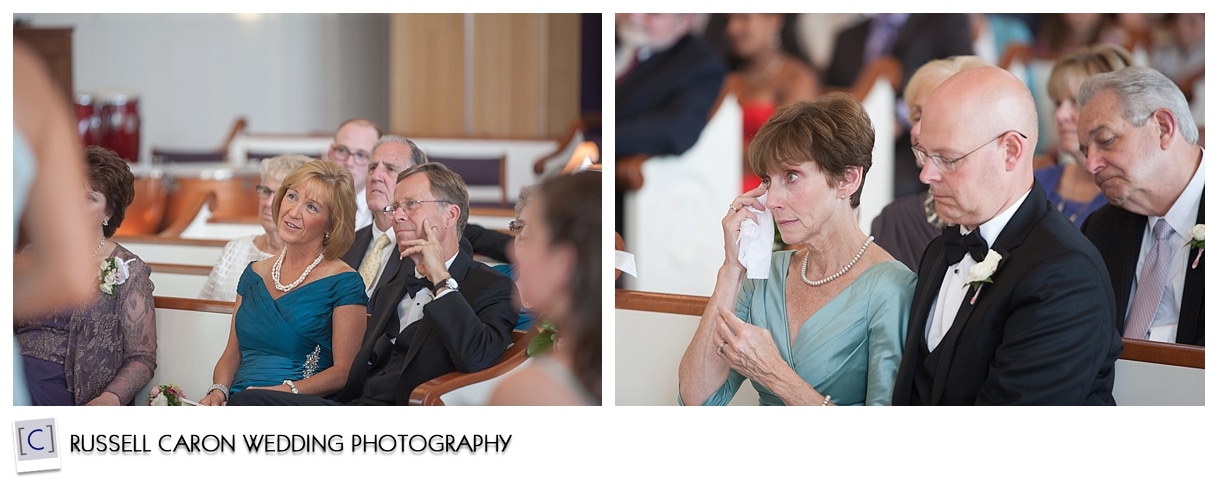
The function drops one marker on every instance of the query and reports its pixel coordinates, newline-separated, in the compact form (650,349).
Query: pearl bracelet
(292,386)
(216,386)
(826,402)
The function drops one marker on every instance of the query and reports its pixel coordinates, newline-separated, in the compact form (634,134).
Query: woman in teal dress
(299,315)
(828,325)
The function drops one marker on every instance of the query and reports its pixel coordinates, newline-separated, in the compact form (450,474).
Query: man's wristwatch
(448,283)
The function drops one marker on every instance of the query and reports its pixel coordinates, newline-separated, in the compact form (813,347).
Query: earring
(106,222)
(327,235)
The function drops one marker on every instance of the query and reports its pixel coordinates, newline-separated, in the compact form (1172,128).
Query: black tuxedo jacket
(663,103)
(485,241)
(1117,233)
(1041,334)
(355,256)
(922,38)
(466,331)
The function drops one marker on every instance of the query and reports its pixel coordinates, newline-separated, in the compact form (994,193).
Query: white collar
(447,265)
(1183,213)
(991,229)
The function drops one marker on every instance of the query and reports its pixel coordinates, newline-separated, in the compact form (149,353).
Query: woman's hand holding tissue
(736,215)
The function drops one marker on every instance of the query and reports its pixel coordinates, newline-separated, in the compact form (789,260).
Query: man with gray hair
(448,313)
(372,254)
(1140,141)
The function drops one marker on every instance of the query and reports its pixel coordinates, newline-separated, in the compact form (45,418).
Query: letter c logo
(30,436)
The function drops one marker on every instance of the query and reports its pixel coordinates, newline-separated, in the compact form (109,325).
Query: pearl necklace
(99,246)
(803,273)
(279,263)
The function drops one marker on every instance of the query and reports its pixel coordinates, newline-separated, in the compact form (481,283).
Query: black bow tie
(958,244)
(414,284)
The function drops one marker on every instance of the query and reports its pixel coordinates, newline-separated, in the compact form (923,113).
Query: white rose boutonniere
(113,272)
(1198,241)
(980,273)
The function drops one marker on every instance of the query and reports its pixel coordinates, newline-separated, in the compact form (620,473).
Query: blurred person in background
(559,274)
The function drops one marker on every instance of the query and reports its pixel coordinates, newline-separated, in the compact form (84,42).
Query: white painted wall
(195,73)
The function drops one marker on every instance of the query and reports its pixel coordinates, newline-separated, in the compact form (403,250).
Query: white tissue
(625,262)
(756,243)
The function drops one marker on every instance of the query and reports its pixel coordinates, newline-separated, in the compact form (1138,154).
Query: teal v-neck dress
(289,338)
(850,349)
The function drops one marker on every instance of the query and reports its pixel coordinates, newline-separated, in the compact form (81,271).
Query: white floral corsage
(113,272)
(980,273)
(1198,241)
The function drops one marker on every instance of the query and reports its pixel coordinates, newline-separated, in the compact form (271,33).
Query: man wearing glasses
(352,148)
(449,314)
(1013,305)
(373,254)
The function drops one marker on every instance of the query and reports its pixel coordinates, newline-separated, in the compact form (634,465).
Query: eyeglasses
(264,192)
(341,152)
(409,205)
(515,226)
(949,165)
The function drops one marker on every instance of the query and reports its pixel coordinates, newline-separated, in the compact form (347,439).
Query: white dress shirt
(410,309)
(363,216)
(953,289)
(1182,216)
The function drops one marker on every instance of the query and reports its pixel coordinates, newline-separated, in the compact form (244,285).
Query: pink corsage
(166,395)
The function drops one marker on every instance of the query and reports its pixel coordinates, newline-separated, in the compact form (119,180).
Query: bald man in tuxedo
(1013,305)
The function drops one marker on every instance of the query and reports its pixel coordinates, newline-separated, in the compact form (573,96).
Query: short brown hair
(445,185)
(340,200)
(111,176)
(835,132)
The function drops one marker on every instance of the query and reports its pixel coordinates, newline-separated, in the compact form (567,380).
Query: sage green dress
(850,349)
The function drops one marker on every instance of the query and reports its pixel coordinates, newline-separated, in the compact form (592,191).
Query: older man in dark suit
(667,82)
(1141,144)
(373,254)
(1014,305)
(449,313)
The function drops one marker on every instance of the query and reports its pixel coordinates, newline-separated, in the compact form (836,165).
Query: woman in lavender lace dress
(102,352)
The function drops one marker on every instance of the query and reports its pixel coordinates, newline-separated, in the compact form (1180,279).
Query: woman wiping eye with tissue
(824,324)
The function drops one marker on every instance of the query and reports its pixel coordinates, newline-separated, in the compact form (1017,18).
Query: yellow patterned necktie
(372,261)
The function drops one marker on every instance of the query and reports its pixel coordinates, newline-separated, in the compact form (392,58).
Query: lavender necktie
(1151,284)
